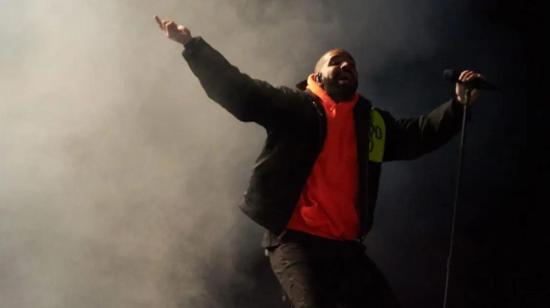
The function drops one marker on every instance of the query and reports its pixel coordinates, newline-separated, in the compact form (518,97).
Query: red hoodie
(327,204)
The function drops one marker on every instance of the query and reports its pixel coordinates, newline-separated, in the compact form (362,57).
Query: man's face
(338,74)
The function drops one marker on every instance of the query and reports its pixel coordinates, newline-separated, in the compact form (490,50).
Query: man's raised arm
(411,138)
(246,98)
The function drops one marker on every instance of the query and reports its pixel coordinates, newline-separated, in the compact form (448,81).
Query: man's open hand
(174,31)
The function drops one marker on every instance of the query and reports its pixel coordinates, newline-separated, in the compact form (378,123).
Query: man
(315,183)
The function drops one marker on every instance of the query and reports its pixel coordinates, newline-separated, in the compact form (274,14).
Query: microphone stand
(457,192)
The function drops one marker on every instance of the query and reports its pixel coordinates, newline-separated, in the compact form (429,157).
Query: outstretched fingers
(165,24)
(173,31)
(159,22)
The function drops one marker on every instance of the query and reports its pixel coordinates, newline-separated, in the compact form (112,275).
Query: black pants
(316,272)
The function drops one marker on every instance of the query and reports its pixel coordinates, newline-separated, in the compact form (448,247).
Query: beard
(340,91)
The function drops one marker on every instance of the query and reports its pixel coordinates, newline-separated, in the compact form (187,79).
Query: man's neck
(340,98)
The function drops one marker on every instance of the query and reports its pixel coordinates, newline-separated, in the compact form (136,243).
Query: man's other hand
(173,31)
(461,89)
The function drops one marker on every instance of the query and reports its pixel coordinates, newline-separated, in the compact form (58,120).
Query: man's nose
(345,63)
(346,66)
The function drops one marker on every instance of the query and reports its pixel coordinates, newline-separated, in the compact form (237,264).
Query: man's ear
(319,78)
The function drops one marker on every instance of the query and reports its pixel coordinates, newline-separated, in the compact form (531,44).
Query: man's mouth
(345,77)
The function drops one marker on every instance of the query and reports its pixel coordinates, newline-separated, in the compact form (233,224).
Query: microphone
(477,83)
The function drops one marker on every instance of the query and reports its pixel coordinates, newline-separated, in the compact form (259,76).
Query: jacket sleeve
(246,98)
(411,138)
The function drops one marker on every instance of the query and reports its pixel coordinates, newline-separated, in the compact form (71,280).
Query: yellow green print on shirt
(377,138)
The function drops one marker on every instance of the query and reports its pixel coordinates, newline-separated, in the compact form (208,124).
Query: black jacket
(295,124)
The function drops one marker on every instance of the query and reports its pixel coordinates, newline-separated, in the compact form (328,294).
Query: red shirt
(327,204)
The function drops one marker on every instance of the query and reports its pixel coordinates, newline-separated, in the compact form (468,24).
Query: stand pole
(456,197)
